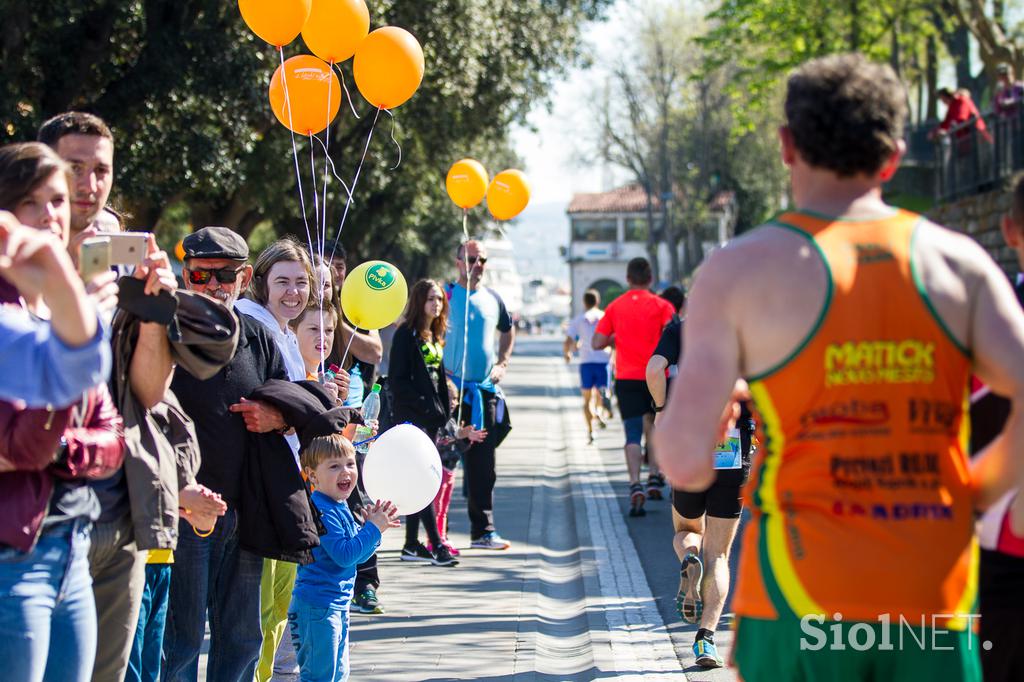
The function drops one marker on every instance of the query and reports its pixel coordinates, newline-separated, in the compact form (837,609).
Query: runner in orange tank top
(856,325)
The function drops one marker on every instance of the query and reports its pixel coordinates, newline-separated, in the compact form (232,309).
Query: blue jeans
(213,575)
(144,661)
(320,638)
(47,611)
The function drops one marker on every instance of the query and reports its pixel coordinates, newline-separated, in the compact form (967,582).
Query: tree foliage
(183,84)
(672,124)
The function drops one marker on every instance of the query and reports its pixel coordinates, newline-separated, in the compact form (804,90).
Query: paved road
(585,593)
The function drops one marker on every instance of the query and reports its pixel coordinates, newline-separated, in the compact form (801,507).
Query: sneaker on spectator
(366,602)
(449,546)
(490,541)
(417,553)
(442,557)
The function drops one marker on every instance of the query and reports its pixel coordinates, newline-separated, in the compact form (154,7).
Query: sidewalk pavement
(581,595)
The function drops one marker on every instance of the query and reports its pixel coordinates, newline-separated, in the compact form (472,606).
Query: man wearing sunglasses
(469,356)
(213,572)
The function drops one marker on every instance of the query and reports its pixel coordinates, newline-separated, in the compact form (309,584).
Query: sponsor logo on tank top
(909,361)
(890,471)
(873,253)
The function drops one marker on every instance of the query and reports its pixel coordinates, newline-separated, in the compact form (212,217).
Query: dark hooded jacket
(278,519)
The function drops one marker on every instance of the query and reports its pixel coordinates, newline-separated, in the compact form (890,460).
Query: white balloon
(402,466)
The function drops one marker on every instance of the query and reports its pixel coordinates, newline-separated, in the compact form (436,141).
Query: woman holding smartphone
(47,609)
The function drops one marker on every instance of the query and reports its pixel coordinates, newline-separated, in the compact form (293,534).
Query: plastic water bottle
(370,411)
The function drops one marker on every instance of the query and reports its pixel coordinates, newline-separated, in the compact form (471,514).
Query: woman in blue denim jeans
(47,457)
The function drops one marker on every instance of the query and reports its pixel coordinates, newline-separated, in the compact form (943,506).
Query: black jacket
(416,397)
(279,519)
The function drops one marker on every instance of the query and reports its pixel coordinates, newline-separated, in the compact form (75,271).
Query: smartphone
(94,258)
(127,248)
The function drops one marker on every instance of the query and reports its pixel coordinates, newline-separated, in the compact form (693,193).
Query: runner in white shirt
(593,363)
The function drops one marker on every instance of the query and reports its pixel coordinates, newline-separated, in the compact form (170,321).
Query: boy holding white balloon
(319,612)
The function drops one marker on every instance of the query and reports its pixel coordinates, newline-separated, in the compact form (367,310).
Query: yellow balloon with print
(508,194)
(374,295)
(466,183)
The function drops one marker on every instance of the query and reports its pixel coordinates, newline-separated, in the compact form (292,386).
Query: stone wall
(979,216)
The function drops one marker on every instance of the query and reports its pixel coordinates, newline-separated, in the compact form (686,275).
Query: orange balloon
(276,21)
(466,183)
(335,28)
(388,67)
(310,82)
(508,194)
(179,250)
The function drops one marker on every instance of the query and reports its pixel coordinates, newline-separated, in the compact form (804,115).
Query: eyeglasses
(223,275)
(473,260)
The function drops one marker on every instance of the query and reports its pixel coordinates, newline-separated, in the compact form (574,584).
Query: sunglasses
(223,275)
(473,260)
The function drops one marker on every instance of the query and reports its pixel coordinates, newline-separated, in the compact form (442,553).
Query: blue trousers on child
(320,637)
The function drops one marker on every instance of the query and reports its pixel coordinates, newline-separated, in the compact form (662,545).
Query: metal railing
(970,161)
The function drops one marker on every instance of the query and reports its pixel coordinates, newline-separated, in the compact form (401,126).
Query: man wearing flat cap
(213,573)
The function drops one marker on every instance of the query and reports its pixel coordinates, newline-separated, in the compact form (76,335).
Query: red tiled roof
(629,199)
(626,199)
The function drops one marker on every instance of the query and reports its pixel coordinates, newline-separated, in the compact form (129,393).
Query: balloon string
(333,172)
(316,197)
(352,336)
(355,181)
(395,167)
(295,150)
(465,325)
(348,97)
(322,228)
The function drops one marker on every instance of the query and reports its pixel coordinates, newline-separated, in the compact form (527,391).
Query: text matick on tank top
(861,495)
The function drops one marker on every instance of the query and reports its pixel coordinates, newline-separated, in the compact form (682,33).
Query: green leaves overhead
(183,84)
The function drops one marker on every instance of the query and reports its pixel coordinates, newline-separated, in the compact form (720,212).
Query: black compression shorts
(722,500)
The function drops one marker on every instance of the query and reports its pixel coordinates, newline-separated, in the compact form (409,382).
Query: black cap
(215,242)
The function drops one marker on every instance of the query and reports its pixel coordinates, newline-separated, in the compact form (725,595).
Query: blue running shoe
(707,654)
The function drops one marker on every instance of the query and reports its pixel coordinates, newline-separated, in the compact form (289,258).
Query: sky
(551,147)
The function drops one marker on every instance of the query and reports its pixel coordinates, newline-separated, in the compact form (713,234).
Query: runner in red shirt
(633,322)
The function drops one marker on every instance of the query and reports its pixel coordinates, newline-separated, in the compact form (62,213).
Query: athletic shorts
(634,398)
(593,375)
(722,500)
(770,651)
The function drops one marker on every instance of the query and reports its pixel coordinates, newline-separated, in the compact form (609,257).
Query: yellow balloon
(374,295)
(466,183)
(508,194)
(335,28)
(388,67)
(276,21)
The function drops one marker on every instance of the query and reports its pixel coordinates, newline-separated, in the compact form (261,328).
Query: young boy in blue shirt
(318,615)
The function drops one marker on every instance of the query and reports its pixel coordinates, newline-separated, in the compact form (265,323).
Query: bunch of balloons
(507,194)
(305,94)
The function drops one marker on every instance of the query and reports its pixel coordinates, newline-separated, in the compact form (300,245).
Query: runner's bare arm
(656,382)
(569,347)
(686,434)
(997,342)
(600,341)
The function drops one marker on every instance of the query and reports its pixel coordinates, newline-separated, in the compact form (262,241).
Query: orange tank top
(860,494)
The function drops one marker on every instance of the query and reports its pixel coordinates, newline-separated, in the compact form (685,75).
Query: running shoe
(366,602)
(447,545)
(601,423)
(590,438)
(442,557)
(655,483)
(706,654)
(490,541)
(637,498)
(417,553)
(688,601)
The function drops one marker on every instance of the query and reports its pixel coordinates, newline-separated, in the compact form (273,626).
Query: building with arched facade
(608,229)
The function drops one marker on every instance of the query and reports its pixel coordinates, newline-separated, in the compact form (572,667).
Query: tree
(183,84)
(671,124)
